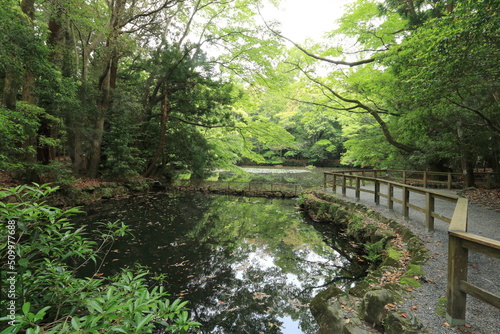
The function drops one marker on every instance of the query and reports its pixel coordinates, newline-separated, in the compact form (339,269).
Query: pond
(246,265)
(304,176)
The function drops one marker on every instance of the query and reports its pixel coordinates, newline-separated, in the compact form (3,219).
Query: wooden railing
(423,178)
(459,240)
(348,180)
(459,244)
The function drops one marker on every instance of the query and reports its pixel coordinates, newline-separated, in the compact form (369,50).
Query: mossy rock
(396,323)
(410,281)
(328,315)
(373,305)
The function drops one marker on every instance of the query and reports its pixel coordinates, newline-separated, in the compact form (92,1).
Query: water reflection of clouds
(261,258)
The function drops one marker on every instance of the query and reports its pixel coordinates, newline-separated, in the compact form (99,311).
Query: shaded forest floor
(489,198)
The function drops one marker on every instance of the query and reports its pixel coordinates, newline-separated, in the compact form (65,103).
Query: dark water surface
(247,265)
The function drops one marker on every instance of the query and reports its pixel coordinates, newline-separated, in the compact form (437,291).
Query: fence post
(406,199)
(457,272)
(324,180)
(377,192)
(429,209)
(390,195)
(404,177)
(449,180)
(425,179)
(344,189)
(334,187)
(358,184)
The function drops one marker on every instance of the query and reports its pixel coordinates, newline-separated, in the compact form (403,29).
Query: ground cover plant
(42,250)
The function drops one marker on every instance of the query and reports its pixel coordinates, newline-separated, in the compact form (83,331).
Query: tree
(426,73)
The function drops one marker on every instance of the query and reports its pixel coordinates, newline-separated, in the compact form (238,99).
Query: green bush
(48,249)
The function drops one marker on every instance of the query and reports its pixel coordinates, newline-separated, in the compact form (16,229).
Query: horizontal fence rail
(459,240)
(459,244)
(425,179)
(356,182)
(245,187)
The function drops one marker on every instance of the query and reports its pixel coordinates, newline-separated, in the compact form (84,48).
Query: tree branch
(328,60)
(374,113)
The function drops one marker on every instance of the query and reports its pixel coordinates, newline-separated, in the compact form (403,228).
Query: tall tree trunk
(107,82)
(102,107)
(28,85)
(11,82)
(46,153)
(161,138)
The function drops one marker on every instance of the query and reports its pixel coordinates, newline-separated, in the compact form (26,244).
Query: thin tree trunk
(162,137)
(103,106)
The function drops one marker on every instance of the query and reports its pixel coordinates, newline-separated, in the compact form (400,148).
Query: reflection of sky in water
(245,265)
(260,170)
(261,258)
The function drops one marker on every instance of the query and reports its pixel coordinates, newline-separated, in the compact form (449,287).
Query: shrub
(49,298)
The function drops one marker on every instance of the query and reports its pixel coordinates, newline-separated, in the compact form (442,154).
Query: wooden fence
(249,188)
(423,178)
(459,240)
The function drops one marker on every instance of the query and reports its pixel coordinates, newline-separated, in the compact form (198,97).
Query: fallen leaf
(404,315)
(447,324)
(391,305)
(468,326)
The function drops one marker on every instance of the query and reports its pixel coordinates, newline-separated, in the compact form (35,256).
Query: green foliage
(49,249)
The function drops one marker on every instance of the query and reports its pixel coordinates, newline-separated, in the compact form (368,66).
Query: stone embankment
(396,254)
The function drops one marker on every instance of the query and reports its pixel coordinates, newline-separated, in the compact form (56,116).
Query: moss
(410,281)
(414,270)
(441,309)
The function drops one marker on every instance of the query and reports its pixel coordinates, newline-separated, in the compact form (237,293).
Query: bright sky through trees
(311,19)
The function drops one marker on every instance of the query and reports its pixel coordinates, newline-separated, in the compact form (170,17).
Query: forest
(138,88)
(134,89)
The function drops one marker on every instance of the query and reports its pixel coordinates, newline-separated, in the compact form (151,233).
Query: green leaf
(26,308)
(93,305)
(75,322)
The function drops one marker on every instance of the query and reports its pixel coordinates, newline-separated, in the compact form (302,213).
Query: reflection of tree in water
(247,265)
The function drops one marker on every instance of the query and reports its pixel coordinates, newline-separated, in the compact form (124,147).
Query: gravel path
(483,271)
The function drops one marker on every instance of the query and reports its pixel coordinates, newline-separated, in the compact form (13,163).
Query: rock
(396,323)
(353,329)
(373,305)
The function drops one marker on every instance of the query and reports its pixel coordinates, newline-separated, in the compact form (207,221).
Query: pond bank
(395,253)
